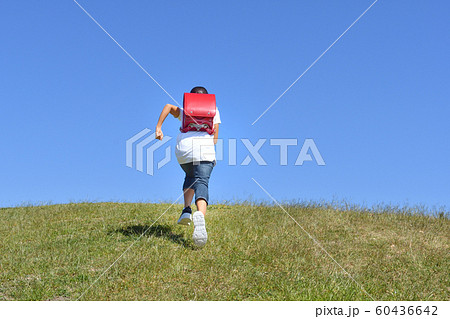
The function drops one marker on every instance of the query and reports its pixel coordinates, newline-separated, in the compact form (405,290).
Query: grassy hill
(253,253)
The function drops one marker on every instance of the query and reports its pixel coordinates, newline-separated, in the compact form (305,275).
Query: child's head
(199,90)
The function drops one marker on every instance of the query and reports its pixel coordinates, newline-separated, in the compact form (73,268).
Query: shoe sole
(200,235)
(185,219)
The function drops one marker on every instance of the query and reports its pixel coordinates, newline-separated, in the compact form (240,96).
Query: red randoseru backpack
(198,112)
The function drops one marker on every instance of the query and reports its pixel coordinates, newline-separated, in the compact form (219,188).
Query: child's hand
(159,134)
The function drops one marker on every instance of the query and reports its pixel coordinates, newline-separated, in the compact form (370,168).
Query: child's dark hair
(199,90)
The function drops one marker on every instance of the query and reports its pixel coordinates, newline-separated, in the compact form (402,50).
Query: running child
(195,153)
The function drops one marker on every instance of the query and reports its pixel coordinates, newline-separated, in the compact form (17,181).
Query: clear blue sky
(376,105)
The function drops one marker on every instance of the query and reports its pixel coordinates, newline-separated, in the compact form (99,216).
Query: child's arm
(216,133)
(169,108)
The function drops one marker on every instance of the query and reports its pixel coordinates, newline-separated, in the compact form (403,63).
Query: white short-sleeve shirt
(195,146)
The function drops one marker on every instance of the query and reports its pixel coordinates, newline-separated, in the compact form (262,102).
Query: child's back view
(195,153)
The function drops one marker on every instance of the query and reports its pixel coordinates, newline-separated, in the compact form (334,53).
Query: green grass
(254,252)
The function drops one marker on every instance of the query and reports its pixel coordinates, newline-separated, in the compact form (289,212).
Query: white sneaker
(200,236)
(185,217)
